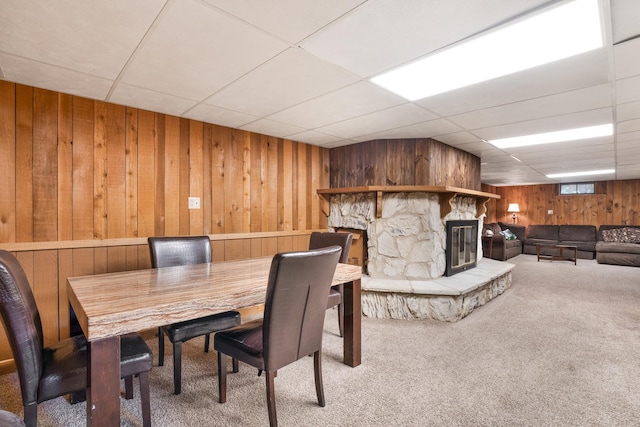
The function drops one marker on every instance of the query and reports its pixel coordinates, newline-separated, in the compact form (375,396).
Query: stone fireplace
(406,254)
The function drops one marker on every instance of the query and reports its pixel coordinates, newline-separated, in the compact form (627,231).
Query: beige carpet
(560,348)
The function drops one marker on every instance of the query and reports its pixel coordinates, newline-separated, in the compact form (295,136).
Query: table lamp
(513,208)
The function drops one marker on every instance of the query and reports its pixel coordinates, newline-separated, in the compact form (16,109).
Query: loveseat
(618,244)
(583,237)
(499,247)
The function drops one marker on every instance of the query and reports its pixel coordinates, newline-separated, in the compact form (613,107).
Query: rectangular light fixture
(558,136)
(553,34)
(583,173)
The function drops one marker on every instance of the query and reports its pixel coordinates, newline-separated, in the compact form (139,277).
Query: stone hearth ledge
(444,298)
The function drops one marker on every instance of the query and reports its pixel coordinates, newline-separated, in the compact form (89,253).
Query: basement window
(578,188)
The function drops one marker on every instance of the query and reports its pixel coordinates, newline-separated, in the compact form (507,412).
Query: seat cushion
(65,364)
(183,331)
(135,355)
(243,343)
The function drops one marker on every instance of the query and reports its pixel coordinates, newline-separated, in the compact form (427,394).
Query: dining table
(113,304)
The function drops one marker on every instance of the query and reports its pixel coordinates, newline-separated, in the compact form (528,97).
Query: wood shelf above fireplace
(447,194)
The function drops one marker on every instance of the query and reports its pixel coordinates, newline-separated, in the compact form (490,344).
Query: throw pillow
(622,235)
(508,234)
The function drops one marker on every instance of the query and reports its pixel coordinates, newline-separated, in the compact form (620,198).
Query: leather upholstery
(293,321)
(49,372)
(322,240)
(187,250)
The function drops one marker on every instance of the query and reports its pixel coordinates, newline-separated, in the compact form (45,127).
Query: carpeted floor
(560,348)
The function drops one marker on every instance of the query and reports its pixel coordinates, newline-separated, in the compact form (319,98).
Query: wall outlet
(194,202)
(550,212)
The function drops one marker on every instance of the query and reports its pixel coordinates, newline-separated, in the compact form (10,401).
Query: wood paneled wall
(615,202)
(74,168)
(403,162)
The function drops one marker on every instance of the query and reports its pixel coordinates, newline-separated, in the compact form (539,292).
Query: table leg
(352,323)
(103,377)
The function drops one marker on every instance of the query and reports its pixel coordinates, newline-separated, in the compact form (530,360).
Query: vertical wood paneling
(285,187)
(218,217)
(300,219)
(45,268)
(615,203)
(100,171)
(207,141)
(246,182)
(23,164)
(172,176)
(45,165)
(195,175)
(269,215)
(184,177)
(7,162)
(233,185)
(131,172)
(160,184)
(83,168)
(65,167)
(257,181)
(116,172)
(65,269)
(146,188)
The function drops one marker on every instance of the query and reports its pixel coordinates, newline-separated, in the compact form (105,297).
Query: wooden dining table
(113,304)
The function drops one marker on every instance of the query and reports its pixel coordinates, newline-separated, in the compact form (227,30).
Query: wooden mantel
(447,194)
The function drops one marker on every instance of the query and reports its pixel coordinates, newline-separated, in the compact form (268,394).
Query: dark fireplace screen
(462,246)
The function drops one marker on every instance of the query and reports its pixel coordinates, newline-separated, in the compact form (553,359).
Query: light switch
(194,202)
(550,212)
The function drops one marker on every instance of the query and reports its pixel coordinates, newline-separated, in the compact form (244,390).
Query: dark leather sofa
(621,248)
(498,247)
(581,236)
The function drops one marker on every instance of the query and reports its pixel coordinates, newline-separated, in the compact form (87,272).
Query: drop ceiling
(300,69)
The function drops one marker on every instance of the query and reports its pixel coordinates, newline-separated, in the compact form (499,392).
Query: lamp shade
(513,207)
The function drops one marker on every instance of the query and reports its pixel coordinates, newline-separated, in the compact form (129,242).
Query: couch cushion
(581,245)
(545,232)
(575,233)
(608,247)
(493,226)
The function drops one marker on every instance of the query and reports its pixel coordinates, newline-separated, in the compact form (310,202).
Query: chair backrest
(296,303)
(22,324)
(172,251)
(322,239)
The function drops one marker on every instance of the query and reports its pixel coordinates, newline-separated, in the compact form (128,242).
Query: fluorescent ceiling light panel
(557,33)
(584,173)
(558,136)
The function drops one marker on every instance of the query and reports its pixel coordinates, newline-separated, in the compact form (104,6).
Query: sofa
(583,237)
(618,244)
(497,246)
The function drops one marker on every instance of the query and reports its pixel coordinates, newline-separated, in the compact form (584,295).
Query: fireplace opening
(462,246)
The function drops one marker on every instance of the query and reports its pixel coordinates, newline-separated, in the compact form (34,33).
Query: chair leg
(317,369)
(160,347)
(145,399)
(222,378)
(31,415)
(341,318)
(177,367)
(206,342)
(128,388)
(234,366)
(271,398)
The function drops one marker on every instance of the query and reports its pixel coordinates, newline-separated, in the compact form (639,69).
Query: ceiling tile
(556,77)
(418,130)
(183,57)
(367,42)
(272,128)
(627,59)
(625,16)
(38,74)
(288,79)
(316,138)
(628,111)
(95,38)
(546,106)
(149,100)
(219,116)
(346,103)
(275,16)
(381,120)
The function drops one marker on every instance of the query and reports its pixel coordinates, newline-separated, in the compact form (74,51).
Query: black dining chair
(175,251)
(322,239)
(293,322)
(61,368)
